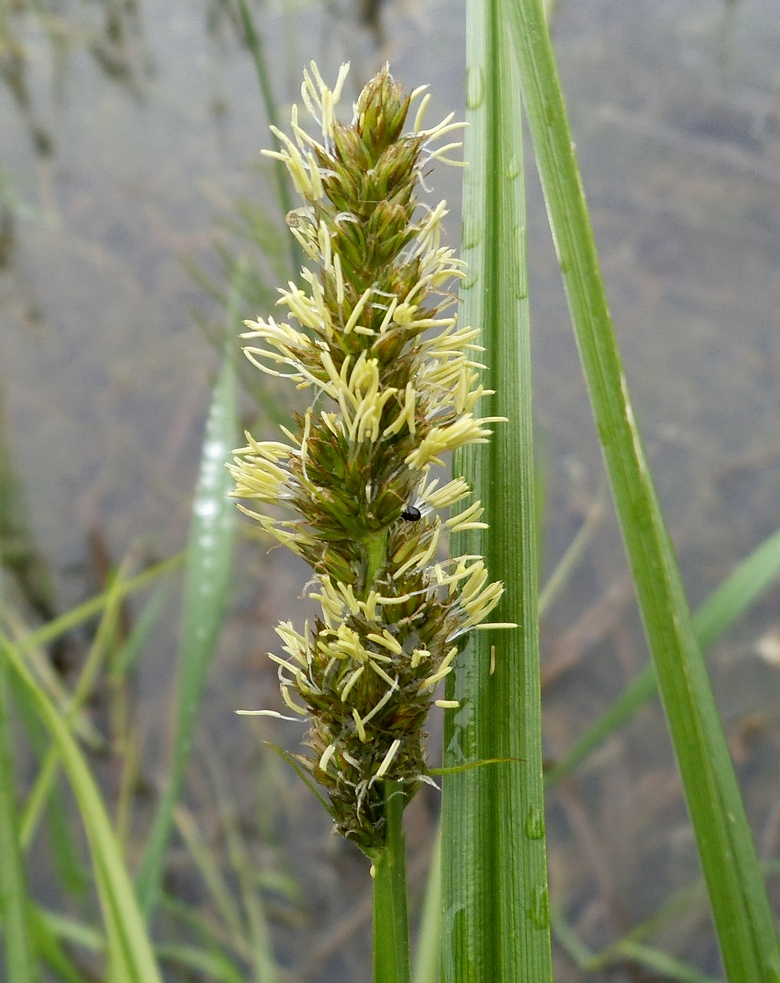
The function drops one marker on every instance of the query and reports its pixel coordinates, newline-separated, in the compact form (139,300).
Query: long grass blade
(207,863)
(742,588)
(426,959)
(212,966)
(87,610)
(255,45)
(97,655)
(51,952)
(128,944)
(66,859)
(743,917)
(663,964)
(496,924)
(258,935)
(20,960)
(125,658)
(209,560)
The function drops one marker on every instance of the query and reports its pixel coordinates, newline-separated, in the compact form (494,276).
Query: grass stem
(391,918)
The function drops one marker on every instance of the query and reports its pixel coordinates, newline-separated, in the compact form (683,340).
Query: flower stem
(391,918)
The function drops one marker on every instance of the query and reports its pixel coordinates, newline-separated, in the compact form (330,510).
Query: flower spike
(374,334)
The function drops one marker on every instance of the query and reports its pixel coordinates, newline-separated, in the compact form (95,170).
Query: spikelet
(395,386)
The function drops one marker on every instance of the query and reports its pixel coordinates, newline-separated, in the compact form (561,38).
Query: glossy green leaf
(20,960)
(723,607)
(426,960)
(75,702)
(130,954)
(249,879)
(209,562)
(743,917)
(495,899)
(52,952)
(84,612)
(126,657)
(211,966)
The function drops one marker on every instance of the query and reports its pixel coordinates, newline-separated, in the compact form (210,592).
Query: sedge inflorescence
(396,386)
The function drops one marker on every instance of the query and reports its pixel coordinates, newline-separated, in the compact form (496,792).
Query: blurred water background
(130,133)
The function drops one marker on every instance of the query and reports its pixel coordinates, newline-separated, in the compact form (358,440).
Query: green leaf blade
(15,904)
(130,950)
(743,917)
(720,610)
(208,566)
(496,923)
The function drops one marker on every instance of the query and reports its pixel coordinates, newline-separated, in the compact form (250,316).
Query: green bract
(395,387)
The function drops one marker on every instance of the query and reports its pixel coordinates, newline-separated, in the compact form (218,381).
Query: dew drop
(472,235)
(475,87)
(534,824)
(205,508)
(539,909)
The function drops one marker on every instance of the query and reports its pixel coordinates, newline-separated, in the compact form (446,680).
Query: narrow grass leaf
(88,676)
(198,925)
(208,865)
(496,923)
(52,953)
(128,654)
(209,560)
(77,935)
(20,959)
(264,968)
(743,917)
(254,43)
(741,589)
(66,853)
(661,962)
(128,943)
(211,966)
(67,861)
(39,661)
(568,939)
(87,610)
(426,960)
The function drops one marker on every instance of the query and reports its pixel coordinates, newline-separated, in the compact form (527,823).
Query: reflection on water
(127,127)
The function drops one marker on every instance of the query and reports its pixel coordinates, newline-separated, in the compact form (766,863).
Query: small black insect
(411,513)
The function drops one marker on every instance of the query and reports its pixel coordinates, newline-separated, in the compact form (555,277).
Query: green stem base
(391,918)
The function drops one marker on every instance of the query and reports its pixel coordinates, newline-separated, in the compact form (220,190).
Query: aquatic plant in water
(396,387)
